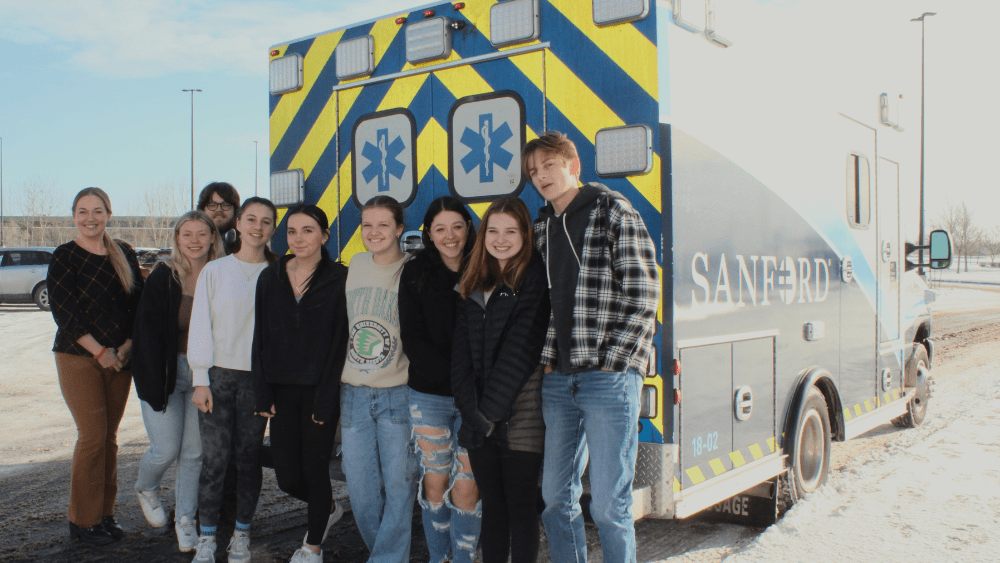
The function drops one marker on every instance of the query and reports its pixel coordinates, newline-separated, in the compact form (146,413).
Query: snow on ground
(933,494)
(965,298)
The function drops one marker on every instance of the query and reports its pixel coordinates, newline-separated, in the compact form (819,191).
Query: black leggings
(301,450)
(508,484)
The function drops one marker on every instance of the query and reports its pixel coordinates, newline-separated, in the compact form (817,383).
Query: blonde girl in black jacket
(496,378)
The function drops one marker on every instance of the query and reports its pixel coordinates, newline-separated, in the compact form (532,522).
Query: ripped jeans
(434,422)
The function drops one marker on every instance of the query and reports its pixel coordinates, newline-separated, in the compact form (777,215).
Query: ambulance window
(858,193)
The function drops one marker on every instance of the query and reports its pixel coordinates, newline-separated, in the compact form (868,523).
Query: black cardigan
(301,343)
(154,338)
(427,323)
(496,350)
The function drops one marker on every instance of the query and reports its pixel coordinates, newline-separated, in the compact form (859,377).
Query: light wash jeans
(595,413)
(448,529)
(174,435)
(380,466)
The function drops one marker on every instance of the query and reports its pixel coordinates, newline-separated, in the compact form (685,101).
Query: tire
(811,457)
(41,296)
(916,409)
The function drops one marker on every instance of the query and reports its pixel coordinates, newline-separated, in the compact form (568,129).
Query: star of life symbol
(487,147)
(382,159)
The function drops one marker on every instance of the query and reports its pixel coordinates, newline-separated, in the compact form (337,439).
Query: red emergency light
(459,5)
(400,20)
(274,53)
(428,13)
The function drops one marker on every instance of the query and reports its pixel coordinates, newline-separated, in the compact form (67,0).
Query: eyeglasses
(212,206)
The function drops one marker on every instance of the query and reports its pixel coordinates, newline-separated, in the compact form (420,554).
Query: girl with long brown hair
(94,285)
(496,378)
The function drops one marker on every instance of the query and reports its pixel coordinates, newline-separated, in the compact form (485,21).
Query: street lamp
(255,168)
(192,90)
(921,20)
(1,191)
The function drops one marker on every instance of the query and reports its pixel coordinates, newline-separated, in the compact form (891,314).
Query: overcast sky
(90,92)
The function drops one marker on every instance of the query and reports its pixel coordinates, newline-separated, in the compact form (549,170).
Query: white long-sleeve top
(222,317)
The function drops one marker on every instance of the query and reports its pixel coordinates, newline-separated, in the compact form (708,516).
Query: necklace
(297,280)
(253,269)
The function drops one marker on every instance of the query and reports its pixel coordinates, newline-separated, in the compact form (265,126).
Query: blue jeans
(174,435)
(596,411)
(446,527)
(380,466)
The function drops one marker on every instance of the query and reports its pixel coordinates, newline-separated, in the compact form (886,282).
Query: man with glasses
(219,201)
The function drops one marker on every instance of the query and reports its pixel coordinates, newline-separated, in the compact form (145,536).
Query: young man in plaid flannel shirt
(604,288)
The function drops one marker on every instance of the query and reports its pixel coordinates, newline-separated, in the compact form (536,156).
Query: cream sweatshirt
(222,317)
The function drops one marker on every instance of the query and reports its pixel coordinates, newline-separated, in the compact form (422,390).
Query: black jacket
(427,323)
(154,338)
(496,349)
(303,343)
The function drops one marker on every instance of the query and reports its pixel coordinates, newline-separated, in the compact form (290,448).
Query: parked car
(149,258)
(22,275)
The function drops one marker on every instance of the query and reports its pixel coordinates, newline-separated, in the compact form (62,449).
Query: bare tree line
(45,216)
(968,238)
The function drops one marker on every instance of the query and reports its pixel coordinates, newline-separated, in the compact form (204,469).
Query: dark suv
(22,275)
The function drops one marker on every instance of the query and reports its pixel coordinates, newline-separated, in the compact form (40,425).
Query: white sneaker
(239,547)
(305,555)
(187,536)
(335,515)
(205,550)
(151,509)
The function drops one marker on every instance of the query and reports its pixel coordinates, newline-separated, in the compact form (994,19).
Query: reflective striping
(847,414)
(385,32)
(432,140)
(463,81)
(317,140)
(288,107)
(454,56)
(755,451)
(623,44)
(737,459)
(677,485)
(328,201)
(402,92)
(576,100)
(717,467)
(895,394)
(868,406)
(770,445)
(695,475)
(857,410)
(649,184)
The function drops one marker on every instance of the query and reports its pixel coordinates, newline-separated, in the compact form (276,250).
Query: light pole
(1,191)
(255,168)
(192,90)
(921,20)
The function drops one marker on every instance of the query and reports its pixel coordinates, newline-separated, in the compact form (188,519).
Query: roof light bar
(428,40)
(286,74)
(513,22)
(355,58)
(611,12)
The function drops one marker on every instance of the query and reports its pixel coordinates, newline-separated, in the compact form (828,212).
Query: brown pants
(96,396)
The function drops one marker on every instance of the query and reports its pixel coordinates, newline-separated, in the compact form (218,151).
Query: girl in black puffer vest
(496,378)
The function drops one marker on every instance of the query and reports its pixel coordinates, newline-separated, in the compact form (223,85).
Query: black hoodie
(565,240)
(304,342)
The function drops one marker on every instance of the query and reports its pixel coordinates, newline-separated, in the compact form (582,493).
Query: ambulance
(771,147)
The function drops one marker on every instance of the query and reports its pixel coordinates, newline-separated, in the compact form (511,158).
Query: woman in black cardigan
(299,349)
(163,378)
(496,378)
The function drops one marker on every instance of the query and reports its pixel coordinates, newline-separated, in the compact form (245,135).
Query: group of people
(454,373)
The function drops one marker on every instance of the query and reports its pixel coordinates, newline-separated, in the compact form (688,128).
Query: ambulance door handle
(743,403)
(710,33)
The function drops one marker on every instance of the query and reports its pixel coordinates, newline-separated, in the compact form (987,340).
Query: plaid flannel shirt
(617,292)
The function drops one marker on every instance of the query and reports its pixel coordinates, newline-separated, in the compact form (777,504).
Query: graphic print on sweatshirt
(373,344)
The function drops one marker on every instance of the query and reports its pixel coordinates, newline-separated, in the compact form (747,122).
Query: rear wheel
(916,409)
(41,297)
(811,458)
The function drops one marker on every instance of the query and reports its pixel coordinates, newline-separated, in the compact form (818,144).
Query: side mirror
(940,250)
